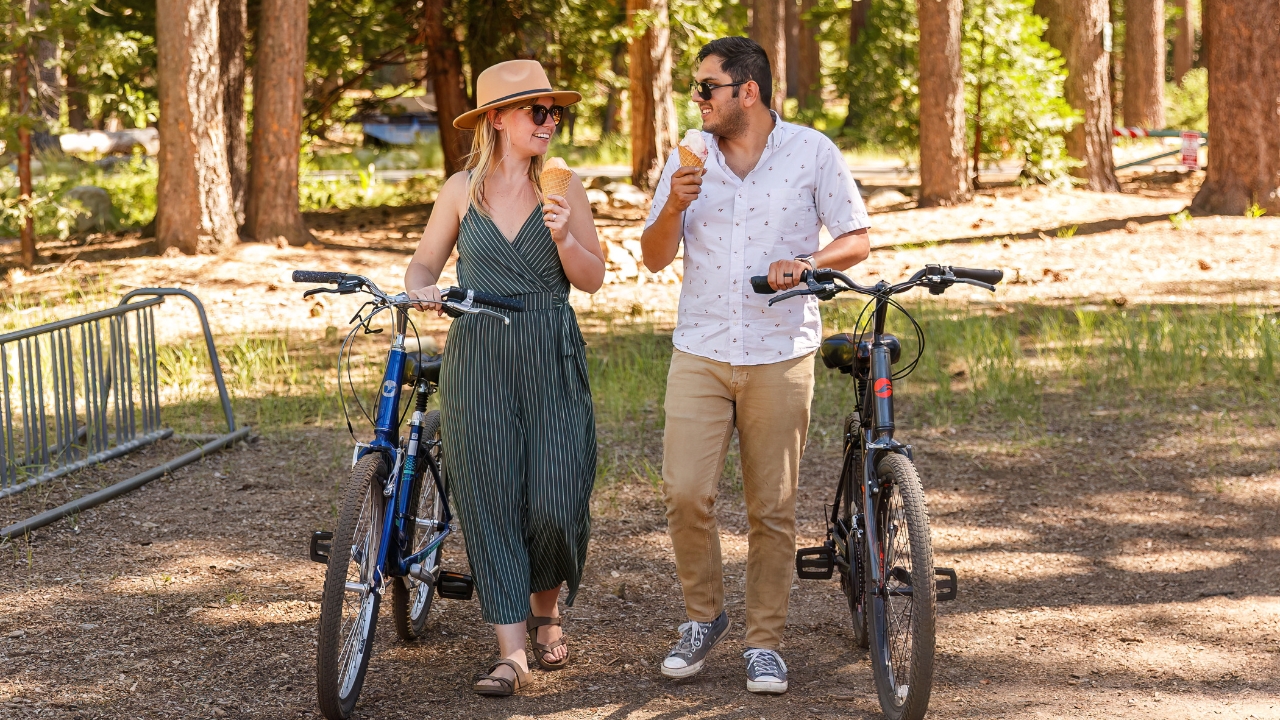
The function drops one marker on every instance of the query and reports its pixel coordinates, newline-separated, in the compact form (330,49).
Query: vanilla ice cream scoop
(693,149)
(555,177)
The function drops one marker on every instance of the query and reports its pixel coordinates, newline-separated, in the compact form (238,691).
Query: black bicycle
(878,525)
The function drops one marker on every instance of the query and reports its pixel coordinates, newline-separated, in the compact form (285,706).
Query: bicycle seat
(843,350)
(421,366)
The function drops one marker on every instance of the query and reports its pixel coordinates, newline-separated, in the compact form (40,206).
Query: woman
(519,432)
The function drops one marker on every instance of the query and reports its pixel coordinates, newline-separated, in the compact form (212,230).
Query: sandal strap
(534,622)
(549,647)
(504,682)
(522,676)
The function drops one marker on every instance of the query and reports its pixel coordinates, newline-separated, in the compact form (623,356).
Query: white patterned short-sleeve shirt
(737,227)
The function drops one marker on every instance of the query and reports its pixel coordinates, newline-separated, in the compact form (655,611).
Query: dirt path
(1110,567)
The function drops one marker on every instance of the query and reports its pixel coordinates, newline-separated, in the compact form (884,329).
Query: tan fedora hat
(509,82)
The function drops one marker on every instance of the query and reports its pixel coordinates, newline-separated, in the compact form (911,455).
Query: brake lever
(469,309)
(790,294)
(977,283)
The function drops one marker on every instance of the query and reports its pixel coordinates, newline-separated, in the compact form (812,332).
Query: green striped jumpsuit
(518,425)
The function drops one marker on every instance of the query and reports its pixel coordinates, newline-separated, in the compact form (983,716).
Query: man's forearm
(661,240)
(845,251)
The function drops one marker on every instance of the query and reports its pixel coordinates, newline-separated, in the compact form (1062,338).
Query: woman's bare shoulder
(453,196)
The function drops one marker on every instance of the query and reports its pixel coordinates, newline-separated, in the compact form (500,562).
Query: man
(755,209)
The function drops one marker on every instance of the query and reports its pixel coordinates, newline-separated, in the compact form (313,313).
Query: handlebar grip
(990,277)
(317,276)
(502,302)
(760,283)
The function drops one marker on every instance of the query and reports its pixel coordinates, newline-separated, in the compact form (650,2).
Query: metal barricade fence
(87,389)
(78,392)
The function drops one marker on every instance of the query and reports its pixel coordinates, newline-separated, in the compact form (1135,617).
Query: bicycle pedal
(321,544)
(815,563)
(455,586)
(945,583)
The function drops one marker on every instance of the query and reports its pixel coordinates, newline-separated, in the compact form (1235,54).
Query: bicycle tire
(411,598)
(853,582)
(903,626)
(346,638)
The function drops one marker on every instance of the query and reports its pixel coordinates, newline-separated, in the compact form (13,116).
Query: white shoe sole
(767,687)
(684,672)
(694,669)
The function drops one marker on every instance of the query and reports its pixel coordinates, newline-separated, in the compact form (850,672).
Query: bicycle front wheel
(411,597)
(349,606)
(902,615)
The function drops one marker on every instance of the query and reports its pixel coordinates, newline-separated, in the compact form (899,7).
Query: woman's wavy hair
(485,145)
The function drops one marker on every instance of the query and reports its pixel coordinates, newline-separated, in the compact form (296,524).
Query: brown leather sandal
(505,687)
(540,650)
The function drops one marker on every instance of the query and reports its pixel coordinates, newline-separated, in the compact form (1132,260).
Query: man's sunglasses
(540,113)
(703,90)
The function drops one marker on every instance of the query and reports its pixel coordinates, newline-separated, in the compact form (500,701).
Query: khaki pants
(769,406)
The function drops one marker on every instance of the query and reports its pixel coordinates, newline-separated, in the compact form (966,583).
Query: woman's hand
(555,215)
(428,297)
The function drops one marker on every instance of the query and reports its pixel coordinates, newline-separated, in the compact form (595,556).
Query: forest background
(851,68)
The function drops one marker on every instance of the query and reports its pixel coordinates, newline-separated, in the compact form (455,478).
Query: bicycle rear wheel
(853,582)
(349,607)
(411,597)
(902,618)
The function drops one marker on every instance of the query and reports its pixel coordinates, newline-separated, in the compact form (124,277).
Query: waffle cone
(555,181)
(688,159)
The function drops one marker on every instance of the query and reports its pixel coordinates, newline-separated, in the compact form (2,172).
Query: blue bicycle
(395,515)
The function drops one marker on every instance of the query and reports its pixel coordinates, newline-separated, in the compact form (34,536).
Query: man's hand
(686,184)
(785,274)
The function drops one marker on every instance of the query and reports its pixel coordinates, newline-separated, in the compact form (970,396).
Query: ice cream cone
(688,158)
(555,181)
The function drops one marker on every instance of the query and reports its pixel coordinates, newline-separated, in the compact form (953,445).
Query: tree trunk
(271,208)
(77,96)
(1244,91)
(769,28)
(857,23)
(791,37)
(942,155)
(1075,30)
(47,73)
(808,61)
(610,113)
(1184,42)
(653,113)
(1144,64)
(27,242)
(444,64)
(231,43)
(193,195)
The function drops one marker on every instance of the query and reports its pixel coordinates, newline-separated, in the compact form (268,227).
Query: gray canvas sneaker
(766,673)
(696,640)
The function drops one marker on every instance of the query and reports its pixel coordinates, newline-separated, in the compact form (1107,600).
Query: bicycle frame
(875,434)
(404,463)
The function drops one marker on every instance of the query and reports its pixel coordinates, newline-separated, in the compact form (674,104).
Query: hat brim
(468,120)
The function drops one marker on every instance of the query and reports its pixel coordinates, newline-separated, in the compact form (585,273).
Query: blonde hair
(485,145)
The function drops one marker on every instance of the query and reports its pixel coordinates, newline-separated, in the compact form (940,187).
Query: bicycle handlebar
(321,276)
(990,277)
(935,277)
(480,297)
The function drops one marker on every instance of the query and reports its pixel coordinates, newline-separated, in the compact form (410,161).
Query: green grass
(995,370)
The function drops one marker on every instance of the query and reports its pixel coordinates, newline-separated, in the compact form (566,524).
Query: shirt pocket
(792,213)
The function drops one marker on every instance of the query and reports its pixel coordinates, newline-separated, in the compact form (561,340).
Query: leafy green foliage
(1187,105)
(1021,80)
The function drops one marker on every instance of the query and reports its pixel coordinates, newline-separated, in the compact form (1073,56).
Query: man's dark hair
(742,59)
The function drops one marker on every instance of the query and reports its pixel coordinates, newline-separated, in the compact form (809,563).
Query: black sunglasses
(540,113)
(703,90)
